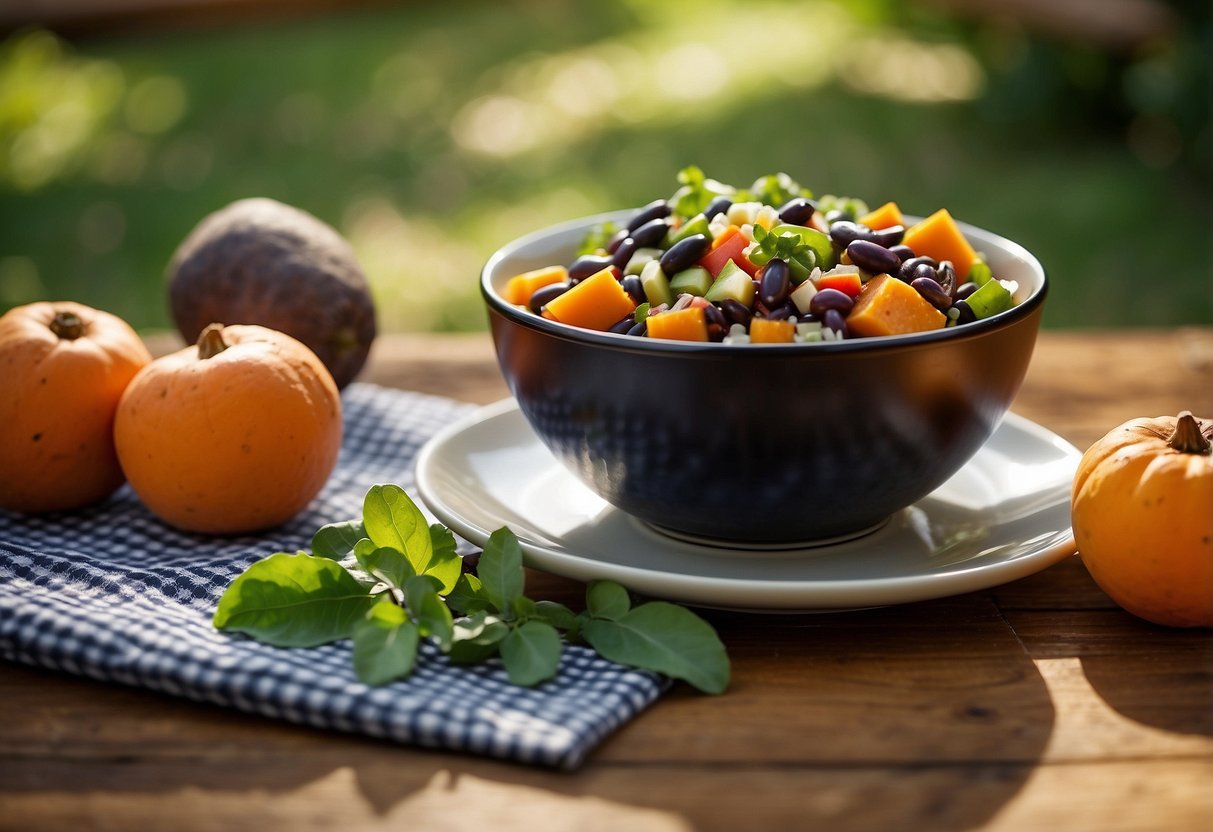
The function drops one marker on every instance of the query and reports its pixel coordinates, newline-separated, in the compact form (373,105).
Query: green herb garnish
(695,192)
(775,189)
(411,586)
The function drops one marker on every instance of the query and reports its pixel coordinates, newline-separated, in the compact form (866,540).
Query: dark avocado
(259,261)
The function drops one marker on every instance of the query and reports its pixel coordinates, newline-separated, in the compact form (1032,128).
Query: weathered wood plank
(378,791)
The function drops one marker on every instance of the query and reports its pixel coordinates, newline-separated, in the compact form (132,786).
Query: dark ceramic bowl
(761,443)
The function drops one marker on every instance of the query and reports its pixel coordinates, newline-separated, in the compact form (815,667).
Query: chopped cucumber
(639,258)
(990,299)
(697,224)
(655,284)
(695,281)
(732,282)
(979,273)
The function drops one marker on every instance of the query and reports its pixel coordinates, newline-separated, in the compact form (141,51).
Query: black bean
(873,258)
(845,232)
(778,313)
(651,233)
(965,289)
(797,211)
(684,253)
(838,215)
(656,209)
(618,237)
(624,253)
(967,315)
(641,328)
(719,205)
(774,284)
(889,237)
(635,289)
(907,266)
(902,251)
(932,292)
(714,316)
(921,270)
(833,319)
(736,312)
(586,265)
(946,277)
(544,295)
(828,299)
(623,326)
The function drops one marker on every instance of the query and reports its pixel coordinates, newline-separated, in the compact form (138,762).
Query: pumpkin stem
(210,342)
(1188,438)
(67,325)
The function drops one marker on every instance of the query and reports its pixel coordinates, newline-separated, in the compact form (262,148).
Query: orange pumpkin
(63,367)
(1143,518)
(234,434)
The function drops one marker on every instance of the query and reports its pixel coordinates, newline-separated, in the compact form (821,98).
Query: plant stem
(210,342)
(1188,438)
(67,325)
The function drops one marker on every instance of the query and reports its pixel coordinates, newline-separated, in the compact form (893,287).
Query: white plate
(1003,516)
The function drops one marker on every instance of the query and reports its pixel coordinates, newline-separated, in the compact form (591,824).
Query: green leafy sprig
(768,246)
(410,585)
(695,192)
(776,189)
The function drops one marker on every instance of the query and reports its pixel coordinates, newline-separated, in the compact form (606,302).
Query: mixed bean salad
(766,264)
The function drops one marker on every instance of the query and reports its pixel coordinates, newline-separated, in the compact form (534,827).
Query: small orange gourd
(234,434)
(63,367)
(1142,513)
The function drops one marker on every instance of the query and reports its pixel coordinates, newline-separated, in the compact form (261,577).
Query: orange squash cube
(519,288)
(598,302)
(888,306)
(680,325)
(765,331)
(938,236)
(885,216)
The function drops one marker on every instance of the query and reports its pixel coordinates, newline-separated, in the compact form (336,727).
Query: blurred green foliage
(431,134)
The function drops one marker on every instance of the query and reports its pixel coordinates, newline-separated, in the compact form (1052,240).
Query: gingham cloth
(111,593)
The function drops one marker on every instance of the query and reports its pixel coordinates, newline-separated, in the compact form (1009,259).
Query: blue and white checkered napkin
(111,593)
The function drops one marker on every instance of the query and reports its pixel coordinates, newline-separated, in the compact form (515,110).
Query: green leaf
(696,192)
(531,653)
(558,615)
(468,596)
(393,520)
(385,645)
(500,570)
(293,601)
(444,562)
(477,637)
(524,608)
(776,189)
(431,614)
(597,238)
(666,638)
(389,565)
(607,599)
(336,540)
(362,552)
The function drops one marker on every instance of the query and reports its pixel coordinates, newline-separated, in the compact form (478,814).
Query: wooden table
(1038,705)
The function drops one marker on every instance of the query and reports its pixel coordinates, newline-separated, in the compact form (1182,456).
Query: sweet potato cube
(598,302)
(885,216)
(938,236)
(888,306)
(766,331)
(680,325)
(519,288)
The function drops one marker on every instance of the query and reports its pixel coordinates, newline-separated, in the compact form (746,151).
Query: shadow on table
(929,715)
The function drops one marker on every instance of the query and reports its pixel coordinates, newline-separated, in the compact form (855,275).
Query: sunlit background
(430,134)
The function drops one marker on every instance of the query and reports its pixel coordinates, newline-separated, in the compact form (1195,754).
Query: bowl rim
(655,345)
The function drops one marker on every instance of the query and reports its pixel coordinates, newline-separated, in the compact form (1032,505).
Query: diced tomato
(851,284)
(729,249)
